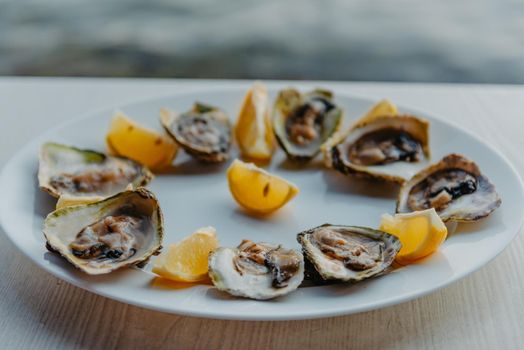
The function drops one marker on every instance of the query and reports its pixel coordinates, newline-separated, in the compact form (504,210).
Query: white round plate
(195,195)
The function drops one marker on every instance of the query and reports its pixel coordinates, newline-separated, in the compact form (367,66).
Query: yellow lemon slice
(257,190)
(420,232)
(67,201)
(253,131)
(186,261)
(132,140)
(380,109)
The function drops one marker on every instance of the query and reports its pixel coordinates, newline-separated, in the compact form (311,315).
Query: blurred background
(479,41)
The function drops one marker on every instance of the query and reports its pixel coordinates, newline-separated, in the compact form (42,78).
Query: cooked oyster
(455,187)
(303,122)
(74,172)
(204,132)
(348,253)
(385,147)
(100,237)
(256,270)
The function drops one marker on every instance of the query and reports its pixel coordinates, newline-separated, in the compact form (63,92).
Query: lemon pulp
(256,189)
(421,233)
(187,261)
(132,140)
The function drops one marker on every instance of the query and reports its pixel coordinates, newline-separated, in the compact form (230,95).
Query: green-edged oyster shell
(348,253)
(256,270)
(204,132)
(97,238)
(303,122)
(390,148)
(454,186)
(74,172)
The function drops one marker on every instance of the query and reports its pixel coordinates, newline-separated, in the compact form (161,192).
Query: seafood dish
(385,147)
(303,122)
(203,132)
(106,219)
(98,238)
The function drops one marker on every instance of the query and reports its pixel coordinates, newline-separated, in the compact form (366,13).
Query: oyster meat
(97,238)
(73,172)
(348,253)
(204,132)
(455,187)
(256,270)
(385,147)
(303,122)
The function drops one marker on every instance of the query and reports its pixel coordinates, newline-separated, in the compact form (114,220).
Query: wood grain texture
(482,311)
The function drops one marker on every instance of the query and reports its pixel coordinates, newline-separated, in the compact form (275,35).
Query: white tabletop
(484,310)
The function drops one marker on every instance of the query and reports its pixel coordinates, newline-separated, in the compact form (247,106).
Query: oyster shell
(256,270)
(454,186)
(74,172)
(348,253)
(303,122)
(97,238)
(204,132)
(384,147)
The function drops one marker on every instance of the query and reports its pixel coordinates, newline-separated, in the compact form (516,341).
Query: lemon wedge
(67,201)
(186,261)
(420,232)
(256,189)
(253,131)
(132,140)
(380,109)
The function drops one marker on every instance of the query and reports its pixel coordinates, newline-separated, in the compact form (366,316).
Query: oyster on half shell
(97,238)
(385,147)
(303,122)
(348,253)
(256,270)
(204,132)
(454,186)
(73,172)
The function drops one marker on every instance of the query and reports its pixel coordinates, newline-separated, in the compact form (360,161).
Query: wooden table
(484,310)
